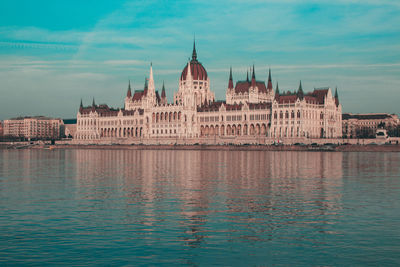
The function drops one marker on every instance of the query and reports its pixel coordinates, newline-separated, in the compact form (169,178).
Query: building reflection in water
(189,187)
(192,200)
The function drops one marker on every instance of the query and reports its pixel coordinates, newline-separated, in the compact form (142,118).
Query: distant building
(253,112)
(37,127)
(1,128)
(69,128)
(366,125)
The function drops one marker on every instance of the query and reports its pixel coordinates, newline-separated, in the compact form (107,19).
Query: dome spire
(194,54)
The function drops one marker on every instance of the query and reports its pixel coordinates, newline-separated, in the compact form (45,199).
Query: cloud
(26,45)
(41,35)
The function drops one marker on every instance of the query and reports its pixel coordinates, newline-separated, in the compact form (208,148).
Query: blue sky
(53,53)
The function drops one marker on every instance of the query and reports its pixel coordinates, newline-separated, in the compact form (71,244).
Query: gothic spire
(253,78)
(247,77)
(336,97)
(194,54)
(93,103)
(230,83)
(269,86)
(129,93)
(300,93)
(81,106)
(151,86)
(163,90)
(277,89)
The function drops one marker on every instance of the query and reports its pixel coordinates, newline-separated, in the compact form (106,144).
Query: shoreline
(321,148)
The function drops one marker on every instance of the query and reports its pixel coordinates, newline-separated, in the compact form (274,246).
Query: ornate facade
(253,112)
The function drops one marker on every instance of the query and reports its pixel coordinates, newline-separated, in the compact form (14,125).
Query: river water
(197,208)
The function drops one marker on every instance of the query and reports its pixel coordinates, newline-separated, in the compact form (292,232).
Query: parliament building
(253,112)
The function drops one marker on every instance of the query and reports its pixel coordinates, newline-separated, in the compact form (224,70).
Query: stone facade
(366,125)
(252,111)
(33,127)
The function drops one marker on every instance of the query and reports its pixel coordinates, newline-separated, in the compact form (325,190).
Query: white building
(252,110)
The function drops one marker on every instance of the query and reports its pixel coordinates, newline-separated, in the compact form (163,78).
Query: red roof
(316,97)
(244,86)
(233,106)
(286,99)
(105,111)
(213,106)
(319,95)
(138,95)
(197,70)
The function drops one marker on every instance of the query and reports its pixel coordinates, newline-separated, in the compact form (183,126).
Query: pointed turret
(300,93)
(81,106)
(277,93)
(269,86)
(336,97)
(277,89)
(253,78)
(129,93)
(151,86)
(194,53)
(230,83)
(189,73)
(93,105)
(247,77)
(163,90)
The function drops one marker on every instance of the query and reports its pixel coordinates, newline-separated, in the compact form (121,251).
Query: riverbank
(333,148)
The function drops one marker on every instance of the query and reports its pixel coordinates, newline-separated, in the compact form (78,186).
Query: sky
(53,53)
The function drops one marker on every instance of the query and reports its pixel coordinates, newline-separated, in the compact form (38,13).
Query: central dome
(196,68)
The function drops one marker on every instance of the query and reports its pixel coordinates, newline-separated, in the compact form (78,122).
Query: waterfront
(140,207)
